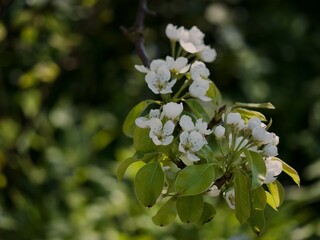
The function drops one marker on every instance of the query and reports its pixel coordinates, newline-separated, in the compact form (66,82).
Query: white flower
(192,40)
(201,127)
(154,66)
(199,70)
(271,150)
(187,124)
(219,131)
(273,169)
(231,198)
(179,65)
(199,88)
(275,139)
(208,54)
(142,68)
(143,122)
(161,135)
(190,143)
(172,110)
(262,135)
(213,191)
(173,32)
(159,81)
(254,122)
(233,118)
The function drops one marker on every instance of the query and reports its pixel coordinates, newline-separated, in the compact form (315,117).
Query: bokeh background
(67,82)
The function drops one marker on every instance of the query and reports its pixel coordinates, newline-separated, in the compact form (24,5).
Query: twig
(137,29)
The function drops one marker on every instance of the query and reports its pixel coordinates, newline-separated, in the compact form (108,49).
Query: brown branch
(137,29)
(221,181)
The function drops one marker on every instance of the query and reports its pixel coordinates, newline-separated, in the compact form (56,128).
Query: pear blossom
(154,66)
(208,54)
(260,134)
(199,70)
(231,198)
(233,118)
(187,124)
(254,122)
(159,81)
(199,88)
(172,110)
(273,169)
(143,122)
(142,68)
(161,134)
(213,191)
(190,143)
(192,40)
(173,32)
(219,131)
(271,150)
(179,65)
(201,127)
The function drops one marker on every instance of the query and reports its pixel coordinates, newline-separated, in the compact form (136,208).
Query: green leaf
(197,109)
(266,105)
(214,93)
(270,201)
(190,208)
(277,192)
(208,213)
(141,140)
(148,183)
(247,114)
(257,221)
(258,167)
(129,123)
(194,179)
(242,195)
(259,199)
(207,153)
(290,171)
(137,157)
(166,214)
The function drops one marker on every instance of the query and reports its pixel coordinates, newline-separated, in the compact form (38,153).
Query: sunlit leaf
(137,157)
(290,171)
(208,213)
(257,221)
(259,199)
(194,179)
(148,183)
(247,114)
(129,123)
(266,105)
(258,168)
(166,214)
(242,195)
(270,201)
(197,109)
(214,93)
(190,208)
(277,192)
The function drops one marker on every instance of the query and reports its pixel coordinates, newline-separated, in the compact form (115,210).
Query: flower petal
(186,123)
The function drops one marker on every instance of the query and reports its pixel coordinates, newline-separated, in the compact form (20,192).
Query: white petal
(213,191)
(151,79)
(156,140)
(192,157)
(142,122)
(219,131)
(186,123)
(208,54)
(181,148)
(233,118)
(184,137)
(156,64)
(154,113)
(230,198)
(196,140)
(141,68)
(172,110)
(254,122)
(271,150)
(155,125)
(259,134)
(167,140)
(205,99)
(168,128)
(188,46)
(163,74)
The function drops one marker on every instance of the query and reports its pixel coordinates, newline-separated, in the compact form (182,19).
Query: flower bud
(219,131)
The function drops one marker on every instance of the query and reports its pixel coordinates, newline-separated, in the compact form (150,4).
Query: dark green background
(67,82)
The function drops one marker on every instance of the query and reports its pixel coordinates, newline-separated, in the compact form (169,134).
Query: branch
(137,29)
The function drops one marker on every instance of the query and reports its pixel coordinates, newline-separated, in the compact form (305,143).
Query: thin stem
(183,87)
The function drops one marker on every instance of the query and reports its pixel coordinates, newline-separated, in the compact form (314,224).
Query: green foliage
(242,196)
(166,214)
(258,168)
(190,208)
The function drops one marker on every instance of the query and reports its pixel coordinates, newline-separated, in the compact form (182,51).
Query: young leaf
(129,123)
(208,213)
(194,179)
(270,201)
(242,195)
(277,192)
(137,157)
(207,153)
(257,221)
(141,140)
(258,168)
(190,208)
(247,114)
(148,183)
(266,105)
(214,93)
(259,199)
(290,171)
(197,109)
(166,214)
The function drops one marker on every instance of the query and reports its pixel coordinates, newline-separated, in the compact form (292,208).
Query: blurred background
(67,82)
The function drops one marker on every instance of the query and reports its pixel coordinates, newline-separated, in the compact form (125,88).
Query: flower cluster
(193,145)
